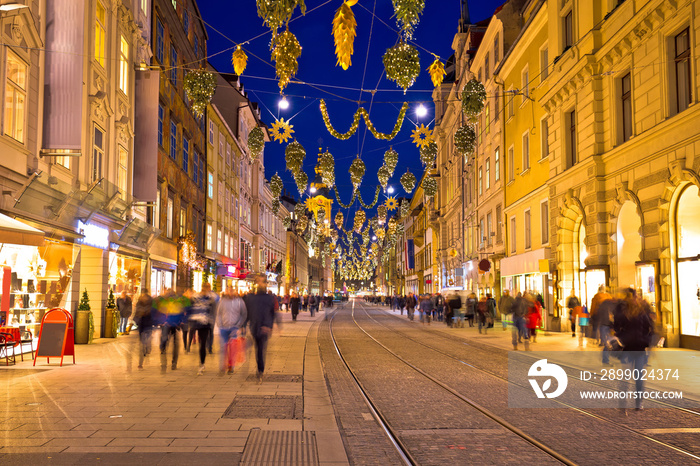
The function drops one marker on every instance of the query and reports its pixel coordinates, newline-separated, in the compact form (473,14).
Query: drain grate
(277,378)
(265,407)
(279,447)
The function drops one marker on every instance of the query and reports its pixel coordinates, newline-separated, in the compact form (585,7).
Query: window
(499,226)
(489,229)
(173,64)
(497,164)
(122,172)
(544,138)
(218,241)
(227,197)
(100,34)
(526,152)
(186,21)
(626,101)
(196,46)
(226,241)
(185,155)
(202,163)
(488,173)
(481,179)
(682,69)
(544,219)
(525,84)
(496,108)
(160,32)
(124,65)
(161,115)
(209,236)
(544,64)
(173,140)
(98,153)
(487,119)
(496,51)
(511,164)
(63,161)
(513,236)
(482,233)
(528,235)
(144,6)
(174,4)
(486,67)
(222,142)
(228,153)
(210,185)
(183,221)
(568,31)
(511,105)
(572,158)
(169,218)
(220,198)
(154,211)
(15,97)
(195,169)
(211,132)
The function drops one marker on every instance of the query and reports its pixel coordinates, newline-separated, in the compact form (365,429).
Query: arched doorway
(589,278)
(629,244)
(687,255)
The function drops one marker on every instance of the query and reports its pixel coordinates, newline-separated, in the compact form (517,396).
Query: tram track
(583,411)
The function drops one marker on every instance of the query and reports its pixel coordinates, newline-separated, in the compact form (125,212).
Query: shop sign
(94,235)
(484,265)
(271,277)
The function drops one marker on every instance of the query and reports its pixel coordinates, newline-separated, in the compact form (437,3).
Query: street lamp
(390,190)
(283,104)
(421,111)
(312,189)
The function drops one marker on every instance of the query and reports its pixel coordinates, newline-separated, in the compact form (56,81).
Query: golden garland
(361,112)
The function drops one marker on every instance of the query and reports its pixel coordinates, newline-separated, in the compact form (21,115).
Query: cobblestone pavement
(576,435)
(105,408)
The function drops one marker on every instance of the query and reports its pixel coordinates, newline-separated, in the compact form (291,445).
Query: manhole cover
(265,407)
(265,447)
(276,378)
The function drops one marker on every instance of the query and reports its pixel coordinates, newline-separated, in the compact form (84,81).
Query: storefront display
(688,253)
(125,273)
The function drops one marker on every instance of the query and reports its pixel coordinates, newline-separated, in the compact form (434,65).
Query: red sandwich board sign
(56,336)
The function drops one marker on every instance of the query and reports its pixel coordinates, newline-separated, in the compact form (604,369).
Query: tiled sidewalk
(105,405)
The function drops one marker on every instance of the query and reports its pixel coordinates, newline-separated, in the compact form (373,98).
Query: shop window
(124,65)
(688,241)
(169,219)
(626,106)
(15,97)
(100,34)
(97,153)
(160,33)
(122,172)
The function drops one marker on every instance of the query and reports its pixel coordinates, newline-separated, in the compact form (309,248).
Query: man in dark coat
(261,317)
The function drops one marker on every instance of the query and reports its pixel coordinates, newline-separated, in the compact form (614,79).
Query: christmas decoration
(374,202)
(361,112)
(84,305)
(277,13)
(402,65)
(344,32)
(287,222)
(391,203)
(188,252)
(357,171)
(275,206)
(381,213)
(428,152)
(326,163)
(299,210)
(473,96)
(465,140)
(276,185)
(422,135)
(429,186)
(239,60)
(391,158)
(408,181)
(437,72)
(285,53)
(339,219)
(403,210)
(256,142)
(383,175)
(294,155)
(359,220)
(112,311)
(380,233)
(302,223)
(352,199)
(282,130)
(407,14)
(302,181)
(199,87)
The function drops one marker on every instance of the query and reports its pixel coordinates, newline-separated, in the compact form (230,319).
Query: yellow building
(524,73)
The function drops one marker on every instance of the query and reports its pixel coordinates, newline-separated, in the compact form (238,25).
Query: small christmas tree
(112,308)
(85,306)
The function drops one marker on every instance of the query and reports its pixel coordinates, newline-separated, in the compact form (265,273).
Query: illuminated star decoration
(422,135)
(282,130)
(391,203)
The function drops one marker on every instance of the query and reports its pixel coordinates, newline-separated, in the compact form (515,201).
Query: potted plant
(112,317)
(84,322)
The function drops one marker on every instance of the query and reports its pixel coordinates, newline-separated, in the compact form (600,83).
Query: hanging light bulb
(390,190)
(312,189)
(284,103)
(421,111)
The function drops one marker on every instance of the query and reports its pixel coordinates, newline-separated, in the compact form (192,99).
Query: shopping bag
(231,353)
(239,353)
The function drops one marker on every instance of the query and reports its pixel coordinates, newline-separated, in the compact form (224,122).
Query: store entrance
(688,266)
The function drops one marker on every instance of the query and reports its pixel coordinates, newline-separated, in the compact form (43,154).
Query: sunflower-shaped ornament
(282,130)
(422,135)
(391,203)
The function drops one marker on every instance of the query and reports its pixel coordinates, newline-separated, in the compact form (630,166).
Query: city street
(438,396)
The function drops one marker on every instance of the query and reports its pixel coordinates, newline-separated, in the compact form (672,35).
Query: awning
(525,263)
(12,231)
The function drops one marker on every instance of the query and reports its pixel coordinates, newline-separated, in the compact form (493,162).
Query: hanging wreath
(374,202)
(429,186)
(357,171)
(256,142)
(294,155)
(359,220)
(437,72)
(473,96)
(407,14)
(428,153)
(200,86)
(302,180)
(239,59)
(403,210)
(383,175)
(282,130)
(361,112)
(276,185)
(422,135)
(391,203)
(465,140)
(326,164)
(277,13)
(402,65)
(391,159)
(275,206)
(344,32)
(285,53)
(408,181)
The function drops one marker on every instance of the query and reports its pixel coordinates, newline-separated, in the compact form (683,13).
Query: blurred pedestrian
(572,303)
(294,305)
(231,315)
(520,310)
(402,303)
(471,308)
(439,305)
(492,309)
(426,309)
(533,319)
(261,318)
(411,303)
(505,305)
(482,309)
(172,307)
(601,296)
(201,317)
(124,306)
(143,317)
